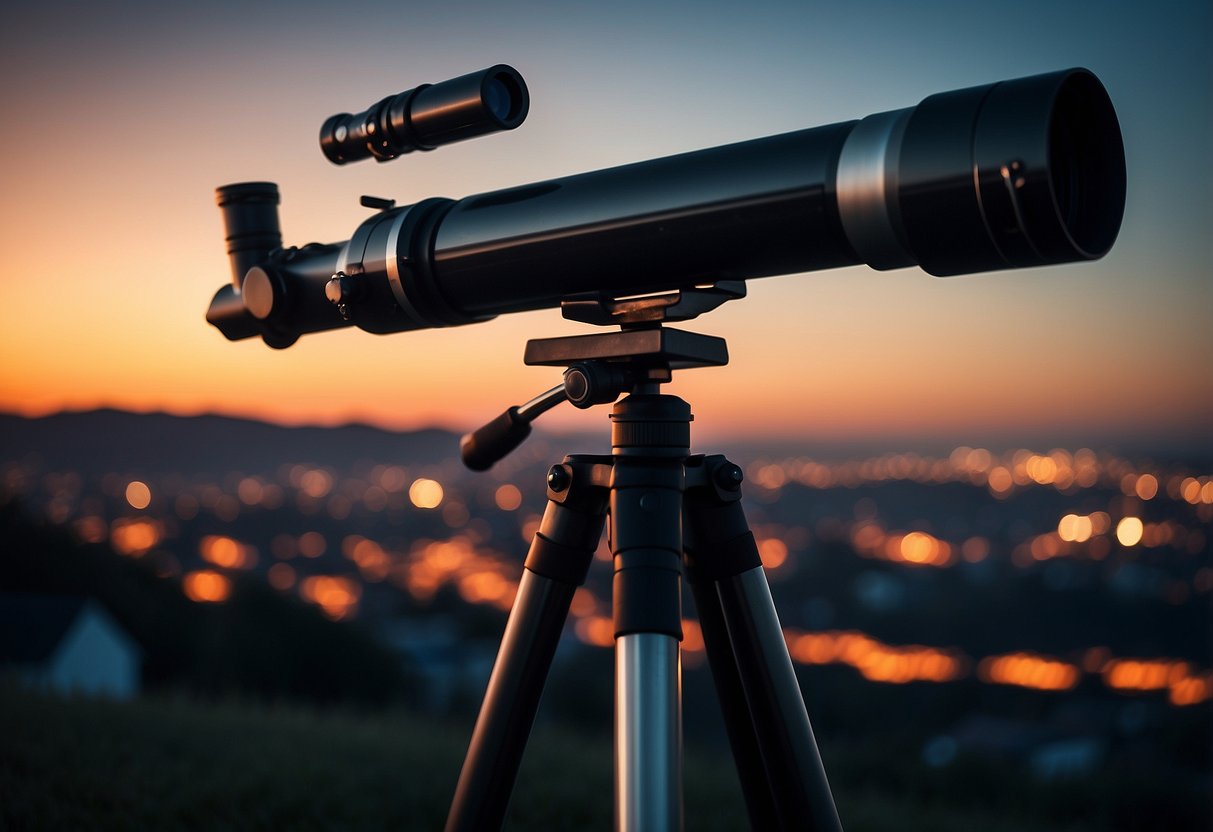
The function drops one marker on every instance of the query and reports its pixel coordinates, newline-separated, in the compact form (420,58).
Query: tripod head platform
(603,365)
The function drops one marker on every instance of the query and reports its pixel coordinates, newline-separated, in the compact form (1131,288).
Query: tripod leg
(751,655)
(755,785)
(650,436)
(557,564)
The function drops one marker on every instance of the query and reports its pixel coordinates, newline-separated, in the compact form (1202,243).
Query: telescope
(1019,173)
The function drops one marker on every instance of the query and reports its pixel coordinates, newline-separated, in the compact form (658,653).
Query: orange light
(316,483)
(508,497)
(598,631)
(138,495)
(281,576)
(1028,670)
(773,552)
(1000,481)
(312,544)
(373,562)
(975,549)
(206,586)
(425,493)
(917,547)
(584,603)
(1191,690)
(1041,469)
(1129,531)
(1075,528)
(250,491)
(336,596)
(1146,486)
(482,587)
(226,553)
(91,529)
(875,660)
(134,537)
(1143,674)
(692,636)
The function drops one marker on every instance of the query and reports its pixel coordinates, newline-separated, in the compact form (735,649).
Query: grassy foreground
(165,764)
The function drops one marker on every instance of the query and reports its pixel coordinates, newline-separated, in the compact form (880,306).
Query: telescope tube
(1020,173)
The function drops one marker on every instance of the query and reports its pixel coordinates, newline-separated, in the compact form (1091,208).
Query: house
(67,645)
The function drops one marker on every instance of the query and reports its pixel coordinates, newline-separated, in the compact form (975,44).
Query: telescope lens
(503,97)
(1087,163)
(497,98)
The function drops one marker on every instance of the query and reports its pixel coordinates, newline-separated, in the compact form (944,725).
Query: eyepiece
(250,224)
(429,116)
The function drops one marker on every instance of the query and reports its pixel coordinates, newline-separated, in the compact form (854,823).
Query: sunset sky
(120,119)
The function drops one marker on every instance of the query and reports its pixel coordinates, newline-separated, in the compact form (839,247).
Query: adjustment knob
(340,290)
(588,383)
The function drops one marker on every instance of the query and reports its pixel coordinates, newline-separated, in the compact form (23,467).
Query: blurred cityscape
(1047,607)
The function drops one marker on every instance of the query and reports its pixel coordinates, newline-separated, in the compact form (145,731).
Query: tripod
(666,510)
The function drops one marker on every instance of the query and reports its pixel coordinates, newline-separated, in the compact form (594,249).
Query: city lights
(425,493)
(138,495)
(206,586)
(1112,512)
(1028,670)
(1129,531)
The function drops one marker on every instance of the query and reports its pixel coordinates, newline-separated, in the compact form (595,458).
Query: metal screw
(558,479)
(729,477)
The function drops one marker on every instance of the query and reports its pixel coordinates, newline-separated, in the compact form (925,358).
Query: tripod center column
(650,439)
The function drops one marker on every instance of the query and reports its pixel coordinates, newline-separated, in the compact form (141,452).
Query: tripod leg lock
(716,538)
(563,548)
(647,593)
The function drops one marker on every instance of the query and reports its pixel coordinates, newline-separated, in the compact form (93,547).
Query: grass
(170,764)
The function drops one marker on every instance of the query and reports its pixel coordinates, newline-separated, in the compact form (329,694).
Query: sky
(121,118)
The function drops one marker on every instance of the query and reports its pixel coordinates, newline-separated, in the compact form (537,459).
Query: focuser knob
(340,291)
(588,383)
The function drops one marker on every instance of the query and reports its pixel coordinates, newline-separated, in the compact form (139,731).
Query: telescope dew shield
(1021,173)
(429,116)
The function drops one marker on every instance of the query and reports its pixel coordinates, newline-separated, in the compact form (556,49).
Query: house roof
(31,626)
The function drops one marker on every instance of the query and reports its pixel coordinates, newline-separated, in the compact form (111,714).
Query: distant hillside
(100,441)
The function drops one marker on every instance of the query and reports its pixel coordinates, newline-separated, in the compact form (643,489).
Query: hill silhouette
(101,441)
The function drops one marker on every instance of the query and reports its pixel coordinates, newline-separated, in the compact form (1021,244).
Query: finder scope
(1020,173)
(428,116)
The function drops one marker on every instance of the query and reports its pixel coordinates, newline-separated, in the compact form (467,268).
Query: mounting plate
(658,346)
